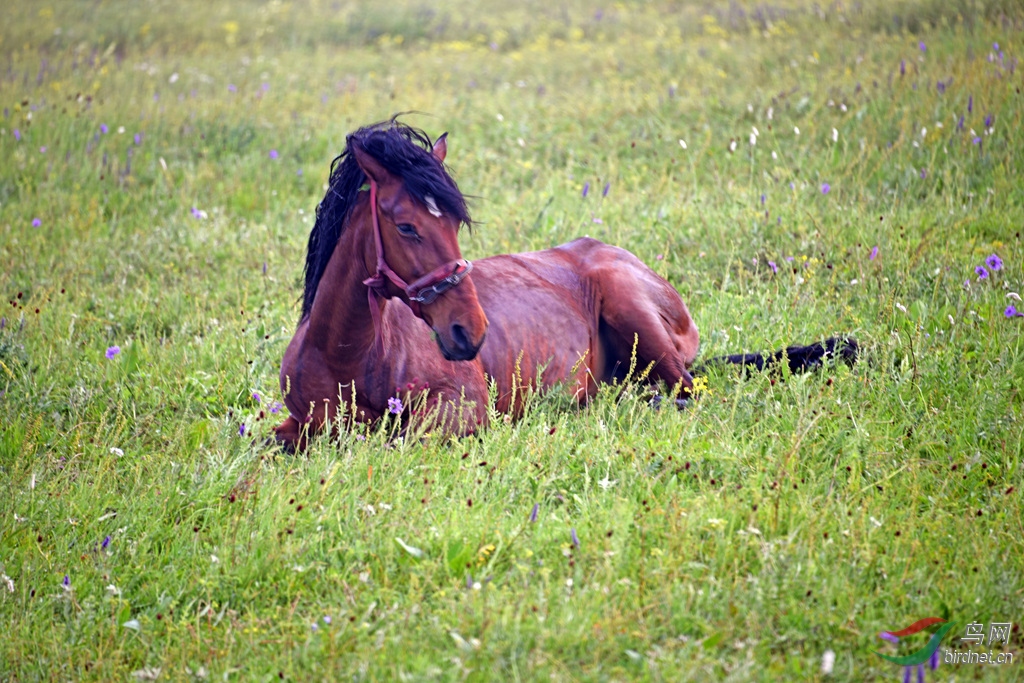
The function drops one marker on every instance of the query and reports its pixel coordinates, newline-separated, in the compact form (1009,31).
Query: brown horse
(370,343)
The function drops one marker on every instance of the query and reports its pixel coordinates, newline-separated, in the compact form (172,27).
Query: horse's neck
(339,320)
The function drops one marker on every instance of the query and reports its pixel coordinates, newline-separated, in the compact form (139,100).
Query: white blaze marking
(432,206)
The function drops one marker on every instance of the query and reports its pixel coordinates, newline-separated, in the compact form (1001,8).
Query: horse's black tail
(799,358)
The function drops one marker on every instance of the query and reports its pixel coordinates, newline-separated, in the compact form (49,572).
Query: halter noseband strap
(424,290)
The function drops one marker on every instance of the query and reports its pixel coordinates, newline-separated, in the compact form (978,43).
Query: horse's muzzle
(459,346)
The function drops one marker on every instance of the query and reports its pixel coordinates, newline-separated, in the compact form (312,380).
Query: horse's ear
(440,150)
(370,166)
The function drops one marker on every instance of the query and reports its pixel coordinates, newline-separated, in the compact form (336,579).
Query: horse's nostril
(460,338)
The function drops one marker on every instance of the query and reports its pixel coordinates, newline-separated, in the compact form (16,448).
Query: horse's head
(417,217)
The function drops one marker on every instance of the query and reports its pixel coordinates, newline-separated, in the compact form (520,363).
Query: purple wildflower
(327,619)
(575,538)
(922,46)
(960,123)
(1011,311)
(138,139)
(113,351)
(17,135)
(607,186)
(903,67)
(256,396)
(924,174)
(469,581)
(264,267)
(196,213)
(265,86)
(988,121)
(763,199)
(106,542)
(825,188)
(970,103)
(885,635)
(933,661)
(533,512)
(394,405)
(42,150)
(976,140)
(586,188)
(941,87)
(241,430)
(874,253)
(273,154)
(66,582)
(231,87)
(775,268)
(36,222)
(994,262)
(995,46)
(314,626)
(299,173)
(275,407)
(982,273)
(906,674)
(103,128)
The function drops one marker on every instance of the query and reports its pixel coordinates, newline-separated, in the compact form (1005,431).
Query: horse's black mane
(405,152)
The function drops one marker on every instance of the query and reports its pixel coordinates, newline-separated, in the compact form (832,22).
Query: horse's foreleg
(290,435)
(437,413)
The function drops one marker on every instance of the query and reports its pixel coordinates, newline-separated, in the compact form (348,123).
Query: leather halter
(424,290)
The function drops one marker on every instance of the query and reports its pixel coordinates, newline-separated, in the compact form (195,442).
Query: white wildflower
(828,660)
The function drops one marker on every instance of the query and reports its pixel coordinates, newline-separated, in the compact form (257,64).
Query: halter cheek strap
(424,290)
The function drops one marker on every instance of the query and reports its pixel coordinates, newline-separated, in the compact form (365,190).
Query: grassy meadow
(795,169)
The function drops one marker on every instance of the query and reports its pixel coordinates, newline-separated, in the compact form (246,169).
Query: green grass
(739,539)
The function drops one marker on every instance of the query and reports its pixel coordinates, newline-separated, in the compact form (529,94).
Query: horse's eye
(407,230)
